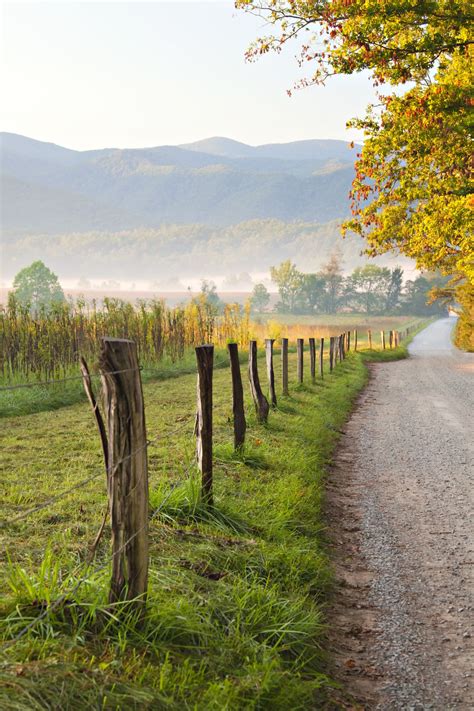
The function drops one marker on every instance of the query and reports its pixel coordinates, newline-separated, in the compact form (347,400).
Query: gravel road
(400,507)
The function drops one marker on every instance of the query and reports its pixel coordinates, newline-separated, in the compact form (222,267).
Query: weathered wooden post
(261,403)
(342,352)
(355,339)
(270,372)
(336,349)
(284,365)
(312,357)
(127,476)
(299,363)
(331,353)
(205,366)
(382,339)
(390,339)
(348,340)
(369,338)
(321,357)
(238,410)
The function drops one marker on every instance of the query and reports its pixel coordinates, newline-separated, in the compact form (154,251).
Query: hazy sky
(97,74)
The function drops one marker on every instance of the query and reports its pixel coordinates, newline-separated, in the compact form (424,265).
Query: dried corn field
(47,345)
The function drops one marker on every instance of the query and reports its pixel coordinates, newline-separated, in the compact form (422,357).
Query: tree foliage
(413,184)
(260,297)
(289,281)
(37,288)
(370,289)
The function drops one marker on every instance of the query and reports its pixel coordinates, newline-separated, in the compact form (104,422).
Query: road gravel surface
(400,510)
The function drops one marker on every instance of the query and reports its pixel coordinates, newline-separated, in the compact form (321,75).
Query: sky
(118,74)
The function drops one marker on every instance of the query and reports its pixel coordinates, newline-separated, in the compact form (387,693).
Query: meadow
(235,614)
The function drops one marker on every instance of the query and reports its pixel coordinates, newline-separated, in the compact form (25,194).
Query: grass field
(295,326)
(235,612)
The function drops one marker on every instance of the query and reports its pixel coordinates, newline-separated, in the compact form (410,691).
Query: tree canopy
(413,184)
(260,297)
(369,289)
(36,287)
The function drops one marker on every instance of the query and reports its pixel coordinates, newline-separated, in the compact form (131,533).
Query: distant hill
(315,149)
(216,182)
(212,207)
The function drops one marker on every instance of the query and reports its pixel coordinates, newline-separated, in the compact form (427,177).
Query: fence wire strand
(57,497)
(102,567)
(40,383)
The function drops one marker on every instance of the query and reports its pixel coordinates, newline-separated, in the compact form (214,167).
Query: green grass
(41,398)
(360,321)
(235,609)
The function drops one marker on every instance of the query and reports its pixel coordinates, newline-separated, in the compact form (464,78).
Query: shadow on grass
(246,455)
(184,505)
(284,405)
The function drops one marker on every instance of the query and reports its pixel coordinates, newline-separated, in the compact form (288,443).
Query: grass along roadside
(234,617)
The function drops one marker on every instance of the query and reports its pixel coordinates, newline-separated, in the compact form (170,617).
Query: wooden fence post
(331,353)
(312,357)
(127,478)
(270,372)
(369,337)
(342,352)
(348,341)
(390,339)
(355,339)
(205,366)
(336,349)
(382,339)
(240,424)
(284,365)
(261,403)
(299,353)
(321,357)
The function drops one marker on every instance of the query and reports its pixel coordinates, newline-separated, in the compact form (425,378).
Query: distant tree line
(369,289)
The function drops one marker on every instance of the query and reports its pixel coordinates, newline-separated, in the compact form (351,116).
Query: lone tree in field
(260,297)
(37,288)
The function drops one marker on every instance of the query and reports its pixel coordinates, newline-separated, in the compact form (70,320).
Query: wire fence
(109,473)
(79,485)
(71,592)
(176,372)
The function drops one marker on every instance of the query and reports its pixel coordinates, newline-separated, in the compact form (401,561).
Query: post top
(109,339)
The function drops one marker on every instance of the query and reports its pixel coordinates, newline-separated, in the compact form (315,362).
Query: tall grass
(46,345)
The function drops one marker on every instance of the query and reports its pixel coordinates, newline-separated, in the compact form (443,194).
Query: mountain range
(48,188)
(197,206)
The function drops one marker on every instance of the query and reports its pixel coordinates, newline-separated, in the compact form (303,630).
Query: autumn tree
(413,185)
